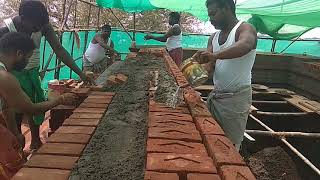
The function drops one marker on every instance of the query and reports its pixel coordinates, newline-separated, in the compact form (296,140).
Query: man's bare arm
(247,41)
(60,51)
(16,98)
(173,31)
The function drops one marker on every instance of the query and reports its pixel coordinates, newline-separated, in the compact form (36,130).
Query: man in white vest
(173,38)
(231,52)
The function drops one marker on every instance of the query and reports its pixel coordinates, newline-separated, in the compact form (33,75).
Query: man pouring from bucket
(231,52)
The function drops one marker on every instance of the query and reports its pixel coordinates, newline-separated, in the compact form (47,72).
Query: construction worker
(15,49)
(173,38)
(33,20)
(100,53)
(231,53)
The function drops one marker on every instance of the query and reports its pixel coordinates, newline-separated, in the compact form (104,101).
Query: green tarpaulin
(281,19)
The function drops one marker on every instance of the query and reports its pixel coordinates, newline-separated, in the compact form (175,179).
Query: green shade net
(127,5)
(281,19)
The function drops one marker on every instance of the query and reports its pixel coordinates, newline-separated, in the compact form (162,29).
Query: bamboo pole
(284,134)
(293,149)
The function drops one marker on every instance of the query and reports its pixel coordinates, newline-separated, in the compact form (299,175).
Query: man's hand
(203,57)
(87,79)
(68,99)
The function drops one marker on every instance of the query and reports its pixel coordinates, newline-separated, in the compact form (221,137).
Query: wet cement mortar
(117,150)
(273,163)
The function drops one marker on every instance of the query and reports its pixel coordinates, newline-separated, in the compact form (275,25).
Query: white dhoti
(231,110)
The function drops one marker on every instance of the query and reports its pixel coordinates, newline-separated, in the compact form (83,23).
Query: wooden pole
(98,20)
(74,26)
(134,26)
(120,23)
(284,134)
(293,149)
(86,34)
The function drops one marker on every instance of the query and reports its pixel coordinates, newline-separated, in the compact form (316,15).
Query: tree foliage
(83,16)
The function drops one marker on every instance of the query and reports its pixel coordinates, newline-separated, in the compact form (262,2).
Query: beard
(20,65)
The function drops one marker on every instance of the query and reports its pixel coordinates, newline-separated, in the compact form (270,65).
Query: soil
(273,163)
(117,149)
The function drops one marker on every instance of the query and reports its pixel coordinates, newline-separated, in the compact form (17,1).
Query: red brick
(222,150)
(168,123)
(199,110)
(149,175)
(175,146)
(169,109)
(52,161)
(69,138)
(203,177)
(175,134)
(100,88)
(178,117)
(169,117)
(41,174)
(208,126)
(76,130)
(230,172)
(121,78)
(81,92)
(93,105)
(180,163)
(89,110)
(111,80)
(86,116)
(102,93)
(81,122)
(61,149)
(98,101)
(97,96)
(58,114)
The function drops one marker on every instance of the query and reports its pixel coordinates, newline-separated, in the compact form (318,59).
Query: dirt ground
(117,149)
(273,164)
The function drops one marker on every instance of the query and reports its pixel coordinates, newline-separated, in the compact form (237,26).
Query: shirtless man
(33,20)
(15,49)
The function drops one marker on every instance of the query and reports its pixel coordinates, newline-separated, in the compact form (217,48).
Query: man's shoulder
(5,76)
(247,27)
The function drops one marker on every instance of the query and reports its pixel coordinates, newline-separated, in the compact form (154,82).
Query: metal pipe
(284,134)
(270,102)
(281,113)
(294,150)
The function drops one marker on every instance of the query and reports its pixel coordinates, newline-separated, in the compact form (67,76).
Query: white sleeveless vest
(174,42)
(231,75)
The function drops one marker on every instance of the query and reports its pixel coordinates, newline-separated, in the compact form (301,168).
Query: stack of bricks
(186,143)
(59,113)
(55,159)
